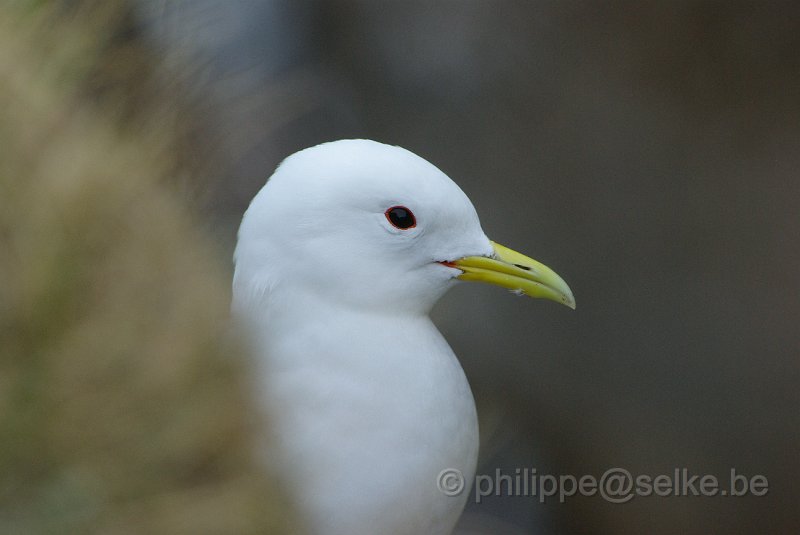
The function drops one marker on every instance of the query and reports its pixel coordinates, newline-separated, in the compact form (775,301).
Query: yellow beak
(517,272)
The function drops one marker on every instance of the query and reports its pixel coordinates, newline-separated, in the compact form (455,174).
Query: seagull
(340,258)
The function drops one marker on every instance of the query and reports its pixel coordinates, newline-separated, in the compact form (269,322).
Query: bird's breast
(366,418)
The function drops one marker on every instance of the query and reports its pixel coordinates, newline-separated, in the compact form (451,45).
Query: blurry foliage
(123,405)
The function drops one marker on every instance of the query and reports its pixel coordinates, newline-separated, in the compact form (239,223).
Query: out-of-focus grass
(123,406)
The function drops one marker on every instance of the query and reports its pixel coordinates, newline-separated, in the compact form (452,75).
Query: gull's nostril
(526,268)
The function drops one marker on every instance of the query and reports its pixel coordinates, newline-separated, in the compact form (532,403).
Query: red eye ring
(400,217)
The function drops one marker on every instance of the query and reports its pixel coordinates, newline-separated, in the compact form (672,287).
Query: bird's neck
(303,319)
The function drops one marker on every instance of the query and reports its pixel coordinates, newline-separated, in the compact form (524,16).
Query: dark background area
(647,151)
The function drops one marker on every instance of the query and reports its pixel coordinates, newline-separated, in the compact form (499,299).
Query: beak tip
(568,300)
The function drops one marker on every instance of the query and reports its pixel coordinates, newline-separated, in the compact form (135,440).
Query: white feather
(368,401)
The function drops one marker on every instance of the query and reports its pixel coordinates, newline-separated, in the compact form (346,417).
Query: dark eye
(401,217)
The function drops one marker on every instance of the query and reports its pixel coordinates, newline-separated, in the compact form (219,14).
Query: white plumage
(368,402)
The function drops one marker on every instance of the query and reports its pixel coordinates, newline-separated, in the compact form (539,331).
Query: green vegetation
(123,403)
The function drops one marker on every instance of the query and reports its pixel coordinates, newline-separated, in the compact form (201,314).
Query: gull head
(358,223)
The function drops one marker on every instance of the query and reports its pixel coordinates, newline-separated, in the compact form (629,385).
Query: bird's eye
(401,217)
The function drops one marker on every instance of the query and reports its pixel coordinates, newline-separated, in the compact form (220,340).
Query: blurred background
(648,151)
